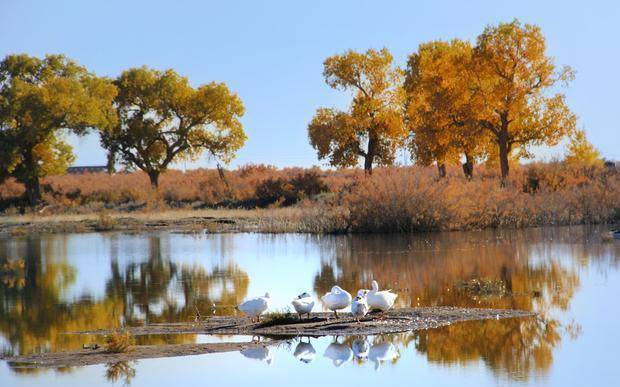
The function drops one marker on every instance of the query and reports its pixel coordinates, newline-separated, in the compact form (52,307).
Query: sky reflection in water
(73,282)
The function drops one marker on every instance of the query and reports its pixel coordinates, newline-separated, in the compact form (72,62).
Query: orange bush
(413,199)
(91,192)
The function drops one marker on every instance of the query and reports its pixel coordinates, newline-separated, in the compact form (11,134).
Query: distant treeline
(453,102)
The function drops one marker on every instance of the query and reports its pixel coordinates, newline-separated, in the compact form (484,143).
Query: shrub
(412,199)
(393,199)
(272,190)
(289,191)
(119,342)
(105,222)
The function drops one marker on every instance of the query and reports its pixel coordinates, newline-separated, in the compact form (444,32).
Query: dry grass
(162,215)
(391,200)
(105,222)
(405,200)
(277,318)
(245,187)
(18,232)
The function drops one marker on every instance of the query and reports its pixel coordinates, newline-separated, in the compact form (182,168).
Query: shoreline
(205,221)
(181,221)
(100,356)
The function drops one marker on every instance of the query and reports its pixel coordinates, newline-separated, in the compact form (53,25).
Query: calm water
(58,283)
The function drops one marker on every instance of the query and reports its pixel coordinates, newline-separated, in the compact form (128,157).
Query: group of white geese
(335,300)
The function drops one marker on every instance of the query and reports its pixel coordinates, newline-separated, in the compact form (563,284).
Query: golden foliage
(512,79)
(372,128)
(581,151)
(438,108)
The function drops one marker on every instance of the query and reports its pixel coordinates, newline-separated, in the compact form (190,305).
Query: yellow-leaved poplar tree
(512,85)
(372,128)
(438,108)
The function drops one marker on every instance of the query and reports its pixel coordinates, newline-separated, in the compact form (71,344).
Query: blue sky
(271,52)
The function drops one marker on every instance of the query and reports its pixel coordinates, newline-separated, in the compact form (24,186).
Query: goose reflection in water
(360,347)
(382,352)
(304,352)
(260,353)
(362,350)
(338,353)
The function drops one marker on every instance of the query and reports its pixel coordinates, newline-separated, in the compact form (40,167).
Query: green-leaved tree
(39,99)
(162,119)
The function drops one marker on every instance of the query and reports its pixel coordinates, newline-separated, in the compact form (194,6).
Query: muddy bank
(322,324)
(86,357)
(272,220)
(275,329)
(195,224)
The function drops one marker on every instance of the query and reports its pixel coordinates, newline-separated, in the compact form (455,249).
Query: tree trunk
(29,175)
(368,164)
(154,176)
(468,166)
(33,190)
(111,164)
(370,156)
(441,169)
(504,150)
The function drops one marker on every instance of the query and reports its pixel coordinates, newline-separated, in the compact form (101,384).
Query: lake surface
(58,283)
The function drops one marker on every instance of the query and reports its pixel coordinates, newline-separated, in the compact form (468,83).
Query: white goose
(303,304)
(359,306)
(255,306)
(380,299)
(337,299)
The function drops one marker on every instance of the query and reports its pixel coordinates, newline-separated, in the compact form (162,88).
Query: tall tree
(38,99)
(512,90)
(162,119)
(437,107)
(373,127)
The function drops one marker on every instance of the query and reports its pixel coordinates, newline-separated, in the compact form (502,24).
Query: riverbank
(277,220)
(212,221)
(324,323)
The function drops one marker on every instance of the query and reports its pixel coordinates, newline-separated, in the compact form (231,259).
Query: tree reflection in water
(33,316)
(426,270)
(539,270)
